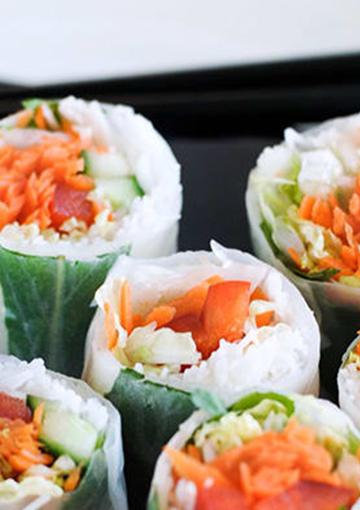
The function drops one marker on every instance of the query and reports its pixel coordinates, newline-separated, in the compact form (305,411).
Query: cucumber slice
(65,433)
(121,192)
(105,165)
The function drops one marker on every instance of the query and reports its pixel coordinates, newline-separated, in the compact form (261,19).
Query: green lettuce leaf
(150,414)
(255,398)
(47,306)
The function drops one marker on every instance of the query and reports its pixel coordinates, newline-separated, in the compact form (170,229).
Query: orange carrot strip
(295,256)
(73,480)
(110,330)
(125,311)
(306,207)
(81,182)
(24,118)
(339,220)
(321,213)
(38,415)
(39,118)
(354,205)
(264,319)
(349,257)
(333,201)
(189,468)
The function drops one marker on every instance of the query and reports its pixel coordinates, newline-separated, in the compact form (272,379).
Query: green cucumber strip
(208,402)
(47,306)
(150,415)
(121,191)
(105,165)
(65,433)
(255,398)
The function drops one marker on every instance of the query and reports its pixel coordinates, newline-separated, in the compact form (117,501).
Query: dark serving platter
(217,122)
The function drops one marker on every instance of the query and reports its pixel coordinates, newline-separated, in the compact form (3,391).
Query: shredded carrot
(263,467)
(306,207)
(264,319)
(110,330)
(19,444)
(73,479)
(30,178)
(295,256)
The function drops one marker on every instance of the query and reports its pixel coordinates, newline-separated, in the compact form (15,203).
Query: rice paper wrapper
(337,306)
(313,412)
(349,385)
(152,407)
(102,486)
(47,287)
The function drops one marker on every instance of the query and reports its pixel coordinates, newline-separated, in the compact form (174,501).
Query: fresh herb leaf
(208,402)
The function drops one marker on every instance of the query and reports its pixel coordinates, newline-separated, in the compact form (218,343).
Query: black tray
(217,122)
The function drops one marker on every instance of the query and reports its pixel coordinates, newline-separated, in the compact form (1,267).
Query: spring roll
(303,203)
(60,442)
(80,183)
(266,451)
(349,381)
(219,320)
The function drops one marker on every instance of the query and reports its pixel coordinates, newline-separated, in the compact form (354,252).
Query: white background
(46,41)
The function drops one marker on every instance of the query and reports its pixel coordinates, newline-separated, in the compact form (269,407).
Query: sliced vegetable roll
(221,320)
(303,203)
(267,451)
(80,182)
(349,381)
(60,443)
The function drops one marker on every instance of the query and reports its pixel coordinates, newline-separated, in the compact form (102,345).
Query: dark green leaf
(208,402)
(320,276)
(47,306)
(150,414)
(253,399)
(267,231)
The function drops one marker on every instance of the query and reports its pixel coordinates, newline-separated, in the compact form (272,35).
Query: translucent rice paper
(153,406)
(273,360)
(349,385)
(319,414)
(47,286)
(337,306)
(102,487)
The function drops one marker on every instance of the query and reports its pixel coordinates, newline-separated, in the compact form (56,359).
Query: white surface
(44,42)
